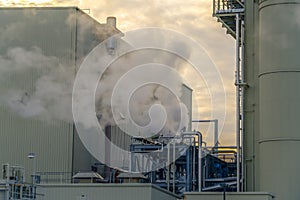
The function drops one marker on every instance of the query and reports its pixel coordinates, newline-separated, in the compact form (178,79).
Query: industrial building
(262,165)
(57,38)
(267,77)
(40,147)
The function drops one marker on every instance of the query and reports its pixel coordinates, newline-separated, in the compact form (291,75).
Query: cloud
(191,17)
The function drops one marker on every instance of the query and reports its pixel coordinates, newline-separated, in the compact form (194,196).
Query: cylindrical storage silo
(279,98)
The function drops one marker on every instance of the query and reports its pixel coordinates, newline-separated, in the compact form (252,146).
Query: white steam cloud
(40,87)
(35,85)
(148,104)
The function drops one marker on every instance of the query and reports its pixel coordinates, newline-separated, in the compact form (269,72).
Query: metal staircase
(225,11)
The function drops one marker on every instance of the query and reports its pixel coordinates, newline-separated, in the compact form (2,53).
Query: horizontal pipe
(205,120)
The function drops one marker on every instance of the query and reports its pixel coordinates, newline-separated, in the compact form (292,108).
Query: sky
(192,18)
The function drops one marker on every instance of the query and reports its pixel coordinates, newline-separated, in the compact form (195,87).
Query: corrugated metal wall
(68,35)
(51,139)
(89,34)
(64,36)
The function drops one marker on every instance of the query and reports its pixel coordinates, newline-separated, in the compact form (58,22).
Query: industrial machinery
(189,165)
(13,182)
(267,80)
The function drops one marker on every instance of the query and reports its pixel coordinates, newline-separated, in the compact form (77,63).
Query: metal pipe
(237,21)
(216,133)
(216,128)
(214,7)
(242,103)
(168,167)
(199,156)
(194,161)
(205,120)
(222,147)
(188,171)
(174,160)
(194,165)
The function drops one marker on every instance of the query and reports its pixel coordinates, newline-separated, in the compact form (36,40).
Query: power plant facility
(128,136)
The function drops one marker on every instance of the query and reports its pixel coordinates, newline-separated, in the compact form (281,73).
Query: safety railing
(227,6)
(55,177)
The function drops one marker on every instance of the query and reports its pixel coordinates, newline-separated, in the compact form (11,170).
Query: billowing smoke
(148,104)
(34,85)
(49,94)
(38,86)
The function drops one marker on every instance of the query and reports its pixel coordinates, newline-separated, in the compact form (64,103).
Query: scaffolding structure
(14,185)
(230,13)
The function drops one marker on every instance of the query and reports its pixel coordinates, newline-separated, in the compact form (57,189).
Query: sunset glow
(191,17)
(26,3)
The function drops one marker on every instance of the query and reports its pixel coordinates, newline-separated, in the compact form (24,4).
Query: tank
(279,97)
(272,69)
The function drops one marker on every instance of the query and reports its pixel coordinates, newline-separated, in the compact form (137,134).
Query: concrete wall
(104,191)
(228,196)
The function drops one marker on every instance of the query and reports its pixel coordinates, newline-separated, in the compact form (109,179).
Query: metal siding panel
(51,141)
(89,34)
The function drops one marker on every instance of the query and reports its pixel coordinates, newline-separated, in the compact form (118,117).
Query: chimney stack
(111,21)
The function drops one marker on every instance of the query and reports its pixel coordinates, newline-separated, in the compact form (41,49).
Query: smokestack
(111,21)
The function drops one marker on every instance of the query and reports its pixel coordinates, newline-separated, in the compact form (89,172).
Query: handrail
(226,5)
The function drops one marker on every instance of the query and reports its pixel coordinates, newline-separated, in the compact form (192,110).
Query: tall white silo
(279,97)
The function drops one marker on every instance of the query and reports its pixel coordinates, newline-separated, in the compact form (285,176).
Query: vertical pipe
(199,162)
(143,163)
(188,172)
(108,133)
(242,103)
(194,163)
(174,160)
(238,99)
(214,7)
(168,167)
(216,134)
(199,135)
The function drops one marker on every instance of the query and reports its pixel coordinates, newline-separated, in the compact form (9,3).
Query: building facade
(41,47)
